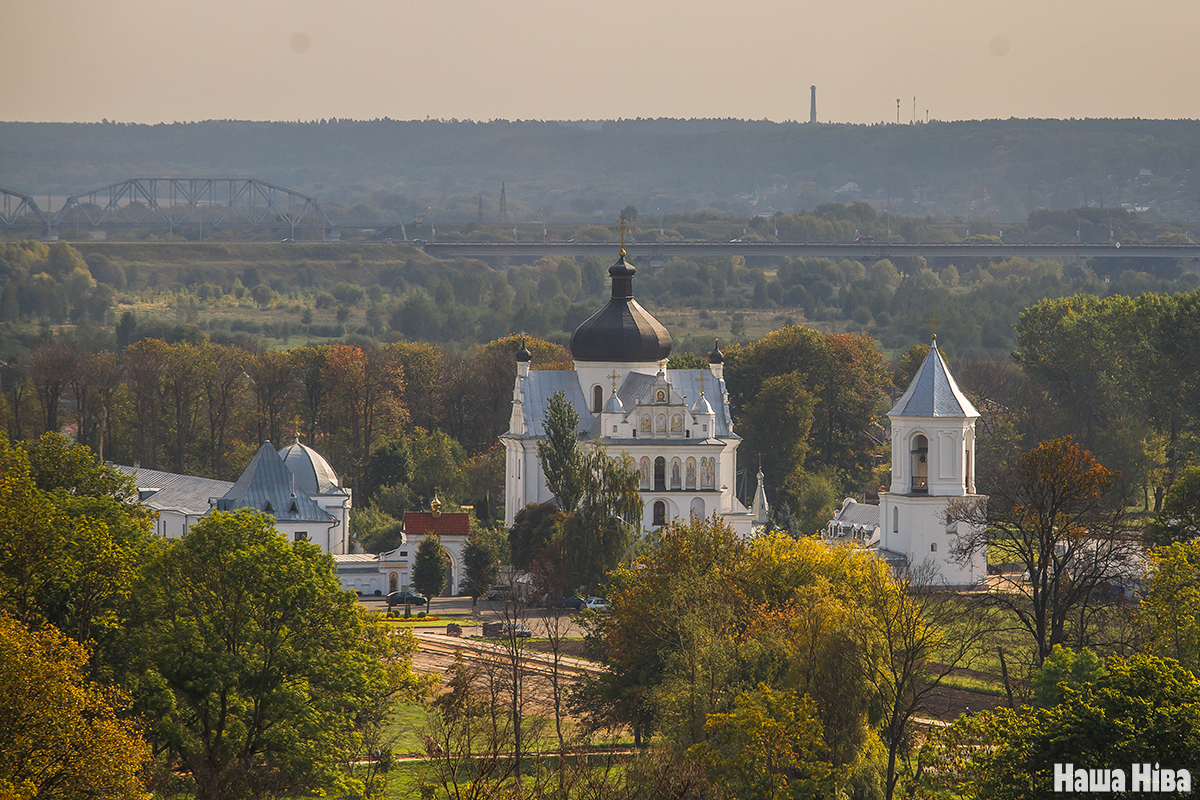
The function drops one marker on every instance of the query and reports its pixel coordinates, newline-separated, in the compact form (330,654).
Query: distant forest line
(998,170)
(278,295)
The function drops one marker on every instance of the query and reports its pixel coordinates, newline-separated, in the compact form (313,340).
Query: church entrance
(660,474)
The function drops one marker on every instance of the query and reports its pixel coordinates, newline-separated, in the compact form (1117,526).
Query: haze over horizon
(149,62)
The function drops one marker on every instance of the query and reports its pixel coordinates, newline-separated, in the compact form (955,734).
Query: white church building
(933,463)
(300,490)
(674,423)
(295,485)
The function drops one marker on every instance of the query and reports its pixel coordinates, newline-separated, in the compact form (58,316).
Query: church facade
(674,423)
(933,463)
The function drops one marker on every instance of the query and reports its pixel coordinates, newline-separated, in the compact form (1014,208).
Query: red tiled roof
(419,523)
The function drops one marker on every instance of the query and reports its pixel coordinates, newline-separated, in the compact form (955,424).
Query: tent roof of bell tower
(934,392)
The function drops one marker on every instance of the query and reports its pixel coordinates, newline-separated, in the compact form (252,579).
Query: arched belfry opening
(920,464)
(597,399)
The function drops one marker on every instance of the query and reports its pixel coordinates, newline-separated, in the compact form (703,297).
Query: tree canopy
(255,662)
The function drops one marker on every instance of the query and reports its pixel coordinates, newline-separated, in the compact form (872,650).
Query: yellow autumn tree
(63,735)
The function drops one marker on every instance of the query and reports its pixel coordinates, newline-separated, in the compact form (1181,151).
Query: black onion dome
(523,355)
(716,356)
(622,330)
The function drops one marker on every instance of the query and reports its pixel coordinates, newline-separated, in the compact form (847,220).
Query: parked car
(597,604)
(573,603)
(406,599)
(503,630)
(518,629)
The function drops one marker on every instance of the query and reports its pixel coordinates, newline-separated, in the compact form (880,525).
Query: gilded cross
(933,321)
(614,377)
(702,379)
(622,229)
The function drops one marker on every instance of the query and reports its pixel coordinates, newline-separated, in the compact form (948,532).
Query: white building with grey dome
(674,423)
(295,485)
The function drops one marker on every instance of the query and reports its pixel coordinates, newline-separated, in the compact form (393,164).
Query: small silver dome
(312,471)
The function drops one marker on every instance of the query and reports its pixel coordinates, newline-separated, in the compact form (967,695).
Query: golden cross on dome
(933,321)
(622,229)
(702,379)
(614,377)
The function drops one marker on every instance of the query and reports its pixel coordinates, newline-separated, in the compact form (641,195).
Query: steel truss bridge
(172,204)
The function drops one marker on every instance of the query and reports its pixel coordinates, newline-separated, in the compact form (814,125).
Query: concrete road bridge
(874,251)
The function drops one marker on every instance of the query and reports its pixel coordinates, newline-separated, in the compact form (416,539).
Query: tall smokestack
(812,109)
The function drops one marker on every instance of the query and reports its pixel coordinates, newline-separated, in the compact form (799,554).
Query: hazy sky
(166,60)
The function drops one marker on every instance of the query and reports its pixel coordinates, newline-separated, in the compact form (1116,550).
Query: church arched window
(597,399)
(660,513)
(920,464)
(660,474)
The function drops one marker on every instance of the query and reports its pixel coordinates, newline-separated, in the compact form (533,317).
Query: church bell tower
(933,461)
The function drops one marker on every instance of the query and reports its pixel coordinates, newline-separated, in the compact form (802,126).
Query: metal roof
(312,471)
(541,384)
(933,392)
(269,486)
(184,493)
(856,513)
(622,330)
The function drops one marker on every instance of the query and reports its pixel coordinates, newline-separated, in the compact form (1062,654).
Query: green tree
(376,531)
(71,537)
(63,259)
(1171,607)
(844,373)
(65,737)
(1064,668)
(559,453)
(595,536)
(687,361)
(437,467)
(256,664)
(532,530)
(768,748)
(481,559)
(673,600)
(775,426)
(1143,709)
(262,294)
(429,567)
(1179,519)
